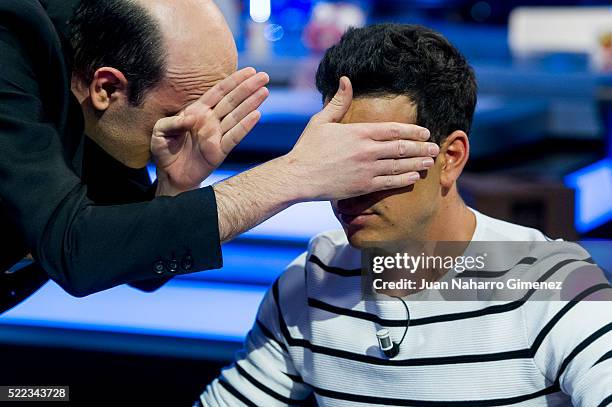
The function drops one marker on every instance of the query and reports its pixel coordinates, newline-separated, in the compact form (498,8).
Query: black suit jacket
(89,223)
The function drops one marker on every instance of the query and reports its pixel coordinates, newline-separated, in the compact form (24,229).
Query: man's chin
(361,238)
(136,161)
(131,157)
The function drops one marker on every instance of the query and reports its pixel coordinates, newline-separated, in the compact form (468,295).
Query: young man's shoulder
(328,250)
(328,240)
(493,229)
(331,248)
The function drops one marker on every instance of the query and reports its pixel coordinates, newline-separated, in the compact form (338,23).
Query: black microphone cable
(389,347)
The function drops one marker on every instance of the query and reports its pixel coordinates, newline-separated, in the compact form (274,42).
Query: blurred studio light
(481,11)
(329,21)
(274,32)
(260,10)
(593,185)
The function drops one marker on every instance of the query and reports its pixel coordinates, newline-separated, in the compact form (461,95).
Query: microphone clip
(389,348)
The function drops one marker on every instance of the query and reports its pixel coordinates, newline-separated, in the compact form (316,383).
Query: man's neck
(453,221)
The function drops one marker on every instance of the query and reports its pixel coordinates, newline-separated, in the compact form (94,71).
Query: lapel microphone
(391,349)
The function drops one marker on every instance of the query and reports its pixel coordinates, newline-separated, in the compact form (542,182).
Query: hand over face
(188,147)
(333,160)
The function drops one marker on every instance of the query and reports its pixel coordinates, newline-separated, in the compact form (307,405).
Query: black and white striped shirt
(315,337)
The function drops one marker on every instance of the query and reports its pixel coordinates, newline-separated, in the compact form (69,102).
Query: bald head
(190,25)
(137,61)
(149,40)
(200,49)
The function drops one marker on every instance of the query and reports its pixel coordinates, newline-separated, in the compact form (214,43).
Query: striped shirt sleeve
(263,373)
(574,347)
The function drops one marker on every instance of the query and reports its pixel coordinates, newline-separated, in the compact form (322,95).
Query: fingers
(337,107)
(406,148)
(243,91)
(399,173)
(245,108)
(386,182)
(403,166)
(234,136)
(217,92)
(391,131)
(173,126)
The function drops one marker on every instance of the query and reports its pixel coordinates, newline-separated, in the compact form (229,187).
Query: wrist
(289,179)
(251,197)
(165,187)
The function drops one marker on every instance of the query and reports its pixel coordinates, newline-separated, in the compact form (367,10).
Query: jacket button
(187,263)
(159,267)
(173,266)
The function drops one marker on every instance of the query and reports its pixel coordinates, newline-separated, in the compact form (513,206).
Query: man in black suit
(151,77)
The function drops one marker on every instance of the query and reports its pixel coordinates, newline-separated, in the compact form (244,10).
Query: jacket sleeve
(82,246)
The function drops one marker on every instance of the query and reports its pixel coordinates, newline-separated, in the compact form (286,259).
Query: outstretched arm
(330,161)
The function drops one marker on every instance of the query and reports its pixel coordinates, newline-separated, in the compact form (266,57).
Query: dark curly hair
(410,60)
(120,34)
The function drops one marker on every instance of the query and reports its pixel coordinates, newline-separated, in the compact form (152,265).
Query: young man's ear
(454,152)
(107,85)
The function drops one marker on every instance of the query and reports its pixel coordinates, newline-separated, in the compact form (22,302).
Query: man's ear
(454,152)
(107,85)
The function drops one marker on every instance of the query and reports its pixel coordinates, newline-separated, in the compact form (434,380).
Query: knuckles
(395,131)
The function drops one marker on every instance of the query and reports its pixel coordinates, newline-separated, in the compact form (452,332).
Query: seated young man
(315,336)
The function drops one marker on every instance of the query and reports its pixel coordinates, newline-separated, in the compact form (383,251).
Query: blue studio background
(541,143)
